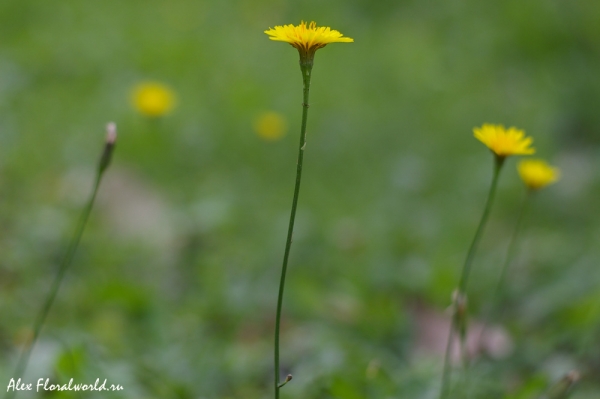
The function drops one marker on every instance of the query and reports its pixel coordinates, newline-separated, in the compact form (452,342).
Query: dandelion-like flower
(153,99)
(307,38)
(537,174)
(504,142)
(270,126)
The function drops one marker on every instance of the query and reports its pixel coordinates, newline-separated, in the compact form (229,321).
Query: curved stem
(66,262)
(510,252)
(64,265)
(464,278)
(446,371)
(306,74)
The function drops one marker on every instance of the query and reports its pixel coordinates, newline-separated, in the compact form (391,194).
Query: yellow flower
(307,39)
(270,126)
(153,99)
(504,142)
(537,174)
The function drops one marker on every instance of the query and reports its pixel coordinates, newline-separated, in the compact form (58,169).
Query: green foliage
(172,291)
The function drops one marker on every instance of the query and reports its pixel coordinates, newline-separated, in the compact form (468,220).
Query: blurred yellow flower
(537,174)
(270,126)
(504,142)
(307,39)
(153,99)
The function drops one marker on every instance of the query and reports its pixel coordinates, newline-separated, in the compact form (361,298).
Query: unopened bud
(111,138)
(111,133)
(287,379)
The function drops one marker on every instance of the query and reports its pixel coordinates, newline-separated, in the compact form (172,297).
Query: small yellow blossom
(537,174)
(307,39)
(270,126)
(504,142)
(153,99)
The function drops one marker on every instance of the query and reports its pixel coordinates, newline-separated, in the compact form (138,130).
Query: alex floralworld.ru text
(44,384)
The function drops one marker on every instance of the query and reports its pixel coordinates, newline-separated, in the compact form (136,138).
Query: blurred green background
(172,293)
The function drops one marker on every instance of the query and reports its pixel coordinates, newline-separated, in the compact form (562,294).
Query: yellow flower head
(153,99)
(504,142)
(537,174)
(307,39)
(270,126)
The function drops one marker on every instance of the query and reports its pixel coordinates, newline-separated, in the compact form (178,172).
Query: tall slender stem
(66,261)
(464,278)
(447,355)
(43,314)
(510,252)
(306,74)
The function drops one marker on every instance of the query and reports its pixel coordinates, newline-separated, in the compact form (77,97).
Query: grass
(173,290)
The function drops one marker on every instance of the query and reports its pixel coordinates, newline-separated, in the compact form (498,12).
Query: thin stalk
(306,75)
(592,333)
(510,253)
(66,262)
(43,314)
(446,372)
(464,278)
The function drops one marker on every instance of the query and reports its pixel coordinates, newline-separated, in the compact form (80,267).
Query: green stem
(510,252)
(464,278)
(462,286)
(62,269)
(446,371)
(306,74)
